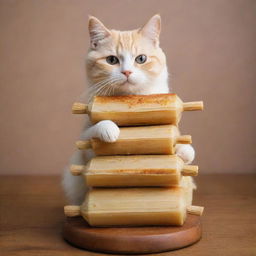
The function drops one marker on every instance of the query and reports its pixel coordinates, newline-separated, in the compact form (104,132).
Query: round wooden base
(131,240)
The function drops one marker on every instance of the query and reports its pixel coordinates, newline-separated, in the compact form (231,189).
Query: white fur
(186,152)
(74,186)
(161,83)
(105,130)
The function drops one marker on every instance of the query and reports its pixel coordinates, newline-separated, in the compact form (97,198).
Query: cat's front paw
(107,131)
(185,152)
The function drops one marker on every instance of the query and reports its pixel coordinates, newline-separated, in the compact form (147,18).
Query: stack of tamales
(137,180)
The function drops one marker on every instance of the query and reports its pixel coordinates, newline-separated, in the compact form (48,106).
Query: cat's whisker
(100,82)
(108,92)
(94,86)
(111,90)
(114,90)
(106,83)
(105,87)
(103,91)
(108,86)
(97,85)
(99,90)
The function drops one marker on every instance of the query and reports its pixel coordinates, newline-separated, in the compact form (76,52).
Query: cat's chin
(127,84)
(128,88)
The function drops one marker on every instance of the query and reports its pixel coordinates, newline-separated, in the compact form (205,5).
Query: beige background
(210,46)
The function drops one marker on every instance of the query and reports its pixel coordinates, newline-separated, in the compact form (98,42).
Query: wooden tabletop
(31,217)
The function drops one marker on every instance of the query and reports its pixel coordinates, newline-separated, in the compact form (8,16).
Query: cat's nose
(127,72)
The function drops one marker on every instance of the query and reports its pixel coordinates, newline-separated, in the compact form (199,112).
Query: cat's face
(124,62)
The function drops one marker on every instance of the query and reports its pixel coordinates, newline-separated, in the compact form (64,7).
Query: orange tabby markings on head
(142,78)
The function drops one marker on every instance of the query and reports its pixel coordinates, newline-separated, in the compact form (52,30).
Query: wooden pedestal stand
(131,240)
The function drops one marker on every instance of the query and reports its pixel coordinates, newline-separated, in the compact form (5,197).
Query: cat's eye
(141,58)
(112,60)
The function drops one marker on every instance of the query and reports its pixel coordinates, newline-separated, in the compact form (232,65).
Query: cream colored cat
(120,63)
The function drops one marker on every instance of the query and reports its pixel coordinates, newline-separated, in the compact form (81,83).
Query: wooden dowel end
(72,210)
(77,169)
(184,139)
(83,144)
(193,105)
(189,170)
(79,108)
(196,210)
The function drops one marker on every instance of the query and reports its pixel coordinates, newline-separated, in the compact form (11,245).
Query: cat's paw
(185,152)
(107,131)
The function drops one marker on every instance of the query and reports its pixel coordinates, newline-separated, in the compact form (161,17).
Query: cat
(120,63)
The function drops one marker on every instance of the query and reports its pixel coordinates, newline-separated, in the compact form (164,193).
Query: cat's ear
(97,31)
(151,29)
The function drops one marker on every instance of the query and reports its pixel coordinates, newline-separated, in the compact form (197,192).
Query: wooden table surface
(31,217)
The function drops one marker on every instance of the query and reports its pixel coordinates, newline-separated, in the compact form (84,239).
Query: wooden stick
(72,210)
(77,170)
(190,170)
(196,210)
(83,144)
(193,105)
(80,108)
(184,139)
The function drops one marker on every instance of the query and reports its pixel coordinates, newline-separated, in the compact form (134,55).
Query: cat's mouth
(127,82)
(127,88)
